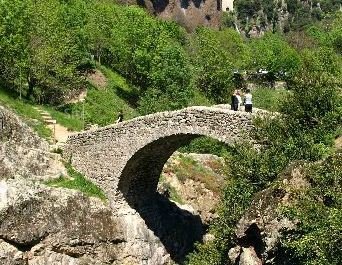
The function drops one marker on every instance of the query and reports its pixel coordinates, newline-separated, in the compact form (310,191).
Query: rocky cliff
(188,13)
(22,152)
(40,224)
(46,225)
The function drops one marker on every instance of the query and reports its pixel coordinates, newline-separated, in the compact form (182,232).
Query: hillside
(145,191)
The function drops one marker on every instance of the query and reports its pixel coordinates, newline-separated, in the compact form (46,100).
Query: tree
(41,47)
(273,54)
(101,20)
(216,55)
(170,77)
(14,21)
(55,51)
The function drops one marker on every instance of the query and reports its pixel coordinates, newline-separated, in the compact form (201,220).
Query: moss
(26,111)
(188,168)
(77,182)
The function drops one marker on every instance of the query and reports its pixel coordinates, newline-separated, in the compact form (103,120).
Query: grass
(269,99)
(101,106)
(77,182)
(26,111)
(173,195)
(116,81)
(188,168)
(72,122)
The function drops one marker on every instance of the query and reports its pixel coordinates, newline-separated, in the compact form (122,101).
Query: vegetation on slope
(271,14)
(168,68)
(26,111)
(77,181)
(311,117)
(317,239)
(48,47)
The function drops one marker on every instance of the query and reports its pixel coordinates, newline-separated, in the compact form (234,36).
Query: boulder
(260,230)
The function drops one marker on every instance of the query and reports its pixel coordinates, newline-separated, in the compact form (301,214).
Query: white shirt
(239,99)
(248,99)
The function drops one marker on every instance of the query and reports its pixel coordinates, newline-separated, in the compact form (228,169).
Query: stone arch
(126,160)
(117,156)
(138,186)
(109,155)
(139,178)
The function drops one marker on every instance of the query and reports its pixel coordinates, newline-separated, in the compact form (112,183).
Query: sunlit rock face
(22,152)
(42,225)
(188,13)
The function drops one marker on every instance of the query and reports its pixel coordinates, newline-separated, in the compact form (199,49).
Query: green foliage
(236,197)
(266,13)
(319,212)
(206,254)
(101,105)
(205,145)
(274,54)
(169,87)
(302,14)
(269,99)
(310,116)
(41,50)
(54,40)
(14,19)
(216,54)
(26,111)
(306,129)
(149,54)
(247,9)
(228,20)
(78,182)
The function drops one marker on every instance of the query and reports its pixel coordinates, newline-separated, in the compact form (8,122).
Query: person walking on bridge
(248,101)
(120,117)
(234,101)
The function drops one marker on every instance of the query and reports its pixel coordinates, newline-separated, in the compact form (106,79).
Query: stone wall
(126,161)
(127,158)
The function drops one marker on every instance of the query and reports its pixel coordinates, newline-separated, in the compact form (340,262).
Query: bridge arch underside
(177,229)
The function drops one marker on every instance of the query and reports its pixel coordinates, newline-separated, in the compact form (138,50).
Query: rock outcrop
(188,13)
(199,189)
(260,230)
(22,152)
(42,225)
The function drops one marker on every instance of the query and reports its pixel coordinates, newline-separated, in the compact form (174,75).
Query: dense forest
(48,47)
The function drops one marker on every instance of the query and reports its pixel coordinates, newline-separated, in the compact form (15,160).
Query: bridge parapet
(127,158)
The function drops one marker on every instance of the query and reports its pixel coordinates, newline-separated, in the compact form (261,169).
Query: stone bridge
(126,159)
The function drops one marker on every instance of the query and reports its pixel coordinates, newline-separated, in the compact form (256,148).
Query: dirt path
(59,133)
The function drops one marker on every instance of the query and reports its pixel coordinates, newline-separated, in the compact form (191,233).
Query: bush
(310,118)
(77,182)
(319,212)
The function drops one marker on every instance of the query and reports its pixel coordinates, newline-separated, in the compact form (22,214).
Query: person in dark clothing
(120,117)
(234,101)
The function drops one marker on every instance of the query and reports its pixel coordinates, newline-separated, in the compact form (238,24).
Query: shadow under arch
(177,229)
